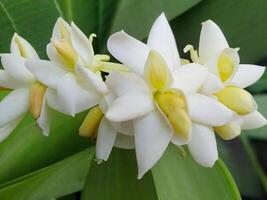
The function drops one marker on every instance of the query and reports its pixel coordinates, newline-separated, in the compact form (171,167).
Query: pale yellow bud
(156,71)
(237,99)
(228,131)
(173,104)
(37,92)
(66,52)
(91,122)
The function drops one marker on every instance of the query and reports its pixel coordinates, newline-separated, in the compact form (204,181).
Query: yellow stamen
(156,71)
(236,99)
(173,104)
(225,66)
(66,52)
(228,131)
(37,91)
(102,57)
(110,67)
(193,53)
(184,61)
(91,122)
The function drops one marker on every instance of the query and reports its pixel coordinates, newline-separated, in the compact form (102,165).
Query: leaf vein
(9,17)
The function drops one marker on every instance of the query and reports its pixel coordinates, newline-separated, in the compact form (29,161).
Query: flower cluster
(153,98)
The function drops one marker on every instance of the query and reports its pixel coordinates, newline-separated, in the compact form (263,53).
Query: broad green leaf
(116,179)
(137,18)
(246,31)
(27,149)
(260,133)
(32,19)
(173,177)
(178,178)
(235,156)
(64,177)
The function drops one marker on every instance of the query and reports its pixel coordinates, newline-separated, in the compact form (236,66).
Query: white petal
(130,106)
(14,65)
(246,75)
(105,101)
(208,111)
(252,120)
(13,106)
(105,139)
(162,40)
(44,121)
(7,81)
(56,30)
(46,72)
(15,49)
(81,44)
(53,101)
(73,97)
(92,79)
(124,141)
(211,84)
(9,128)
(178,141)
(125,82)
(189,78)
(66,91)
(129,51)
(203,145)
(211,41)
(152,136)
(125,128)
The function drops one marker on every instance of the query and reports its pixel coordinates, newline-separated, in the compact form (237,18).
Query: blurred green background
(244,23)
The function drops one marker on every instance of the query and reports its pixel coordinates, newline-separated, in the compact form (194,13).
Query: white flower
(227,78)
(159,97)
(27,93)
(73,72)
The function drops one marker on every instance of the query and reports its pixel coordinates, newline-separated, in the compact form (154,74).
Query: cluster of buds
(153,98)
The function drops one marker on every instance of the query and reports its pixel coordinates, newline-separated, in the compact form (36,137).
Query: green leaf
(173,177)
(27,149)
(116,179)
(260,133)
(64,177)
(234,154)
(29,18)
(137,18)
(178,178)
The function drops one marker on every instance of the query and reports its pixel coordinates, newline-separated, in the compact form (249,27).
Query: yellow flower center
(171,102)
(225,66)
(236,99)
(37,92)
(156,71)
(66,52)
